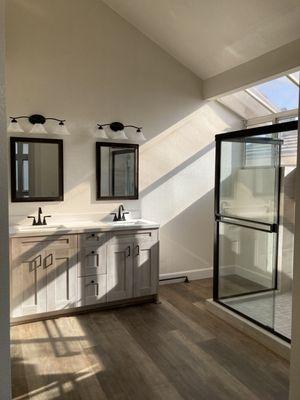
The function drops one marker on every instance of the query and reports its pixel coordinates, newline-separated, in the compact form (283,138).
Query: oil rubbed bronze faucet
(39,220)
(121,214)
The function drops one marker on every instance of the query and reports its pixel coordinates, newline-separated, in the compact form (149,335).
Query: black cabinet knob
(92,281)
(93,252)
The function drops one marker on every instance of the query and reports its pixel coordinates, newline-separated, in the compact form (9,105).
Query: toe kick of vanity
(60,274)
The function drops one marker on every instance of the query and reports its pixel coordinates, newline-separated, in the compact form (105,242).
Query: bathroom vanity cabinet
(67,273)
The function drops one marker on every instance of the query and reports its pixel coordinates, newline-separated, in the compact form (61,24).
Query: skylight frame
(294,80)
(273,113)
(273,118)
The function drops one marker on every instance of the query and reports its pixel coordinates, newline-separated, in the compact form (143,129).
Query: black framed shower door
(247,217)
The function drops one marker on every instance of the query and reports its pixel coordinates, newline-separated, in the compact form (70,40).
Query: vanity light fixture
(38,122)
(118,133)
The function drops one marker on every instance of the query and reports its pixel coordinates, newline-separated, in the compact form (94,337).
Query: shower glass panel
(247,216)
(249,179)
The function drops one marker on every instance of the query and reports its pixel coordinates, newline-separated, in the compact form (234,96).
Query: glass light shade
(38,128)
(14,127)
(61,129)
(140,136)
(119,135)
(100,133)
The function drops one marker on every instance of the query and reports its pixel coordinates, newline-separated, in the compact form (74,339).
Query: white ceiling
(212,36)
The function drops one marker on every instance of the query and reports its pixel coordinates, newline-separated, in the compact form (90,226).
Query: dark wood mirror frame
(135,149)
(14,197)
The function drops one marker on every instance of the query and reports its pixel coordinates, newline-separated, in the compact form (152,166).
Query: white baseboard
(205,273)
(192,274)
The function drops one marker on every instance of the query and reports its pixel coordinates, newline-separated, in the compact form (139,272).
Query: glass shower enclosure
(247,226)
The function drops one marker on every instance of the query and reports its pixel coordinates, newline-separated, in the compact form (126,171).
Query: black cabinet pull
(128,251)
(92,281)
(137,250)
(48,261)
(39,260)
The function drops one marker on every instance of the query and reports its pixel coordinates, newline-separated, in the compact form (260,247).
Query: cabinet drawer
(92,261)
(92,290)
(134,236)
(27,244)
(92,239)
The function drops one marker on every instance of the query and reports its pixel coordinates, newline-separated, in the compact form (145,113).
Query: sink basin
(130,222)
(37,227)
(69,225)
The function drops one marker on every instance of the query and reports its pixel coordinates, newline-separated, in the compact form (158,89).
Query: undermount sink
(67,225)
(22,228)
(130,222)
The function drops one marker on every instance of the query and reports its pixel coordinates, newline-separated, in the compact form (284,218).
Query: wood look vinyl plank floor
(175,350)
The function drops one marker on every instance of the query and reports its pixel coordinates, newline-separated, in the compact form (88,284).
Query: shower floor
(273,308)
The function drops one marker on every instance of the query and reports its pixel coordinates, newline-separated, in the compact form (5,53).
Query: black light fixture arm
(133,126)
(15,118)
(102,125)
(55,119)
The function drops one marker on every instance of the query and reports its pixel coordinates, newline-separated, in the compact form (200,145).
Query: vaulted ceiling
(213,36)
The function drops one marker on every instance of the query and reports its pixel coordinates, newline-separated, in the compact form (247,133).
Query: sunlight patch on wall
(183,140)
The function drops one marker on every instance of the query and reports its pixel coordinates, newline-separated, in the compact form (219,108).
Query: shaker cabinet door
(28,284)
(119,271)
(145,273)
(61,269)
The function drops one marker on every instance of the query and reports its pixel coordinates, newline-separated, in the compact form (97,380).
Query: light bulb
(14,127)
(38,128)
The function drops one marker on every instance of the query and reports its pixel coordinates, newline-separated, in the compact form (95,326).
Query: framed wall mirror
(117,171)
(36,169)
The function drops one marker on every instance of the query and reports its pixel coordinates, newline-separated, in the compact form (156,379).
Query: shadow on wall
(177,181)
(187,239)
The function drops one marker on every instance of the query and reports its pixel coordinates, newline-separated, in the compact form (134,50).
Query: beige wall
(80,61)
(4,269)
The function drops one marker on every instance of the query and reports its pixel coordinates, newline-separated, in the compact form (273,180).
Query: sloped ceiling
(213,36)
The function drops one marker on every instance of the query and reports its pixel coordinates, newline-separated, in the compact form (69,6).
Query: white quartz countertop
(80,227)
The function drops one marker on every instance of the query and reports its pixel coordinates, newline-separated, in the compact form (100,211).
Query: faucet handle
(123,216)
(44,219)
(115,216)
(33,219)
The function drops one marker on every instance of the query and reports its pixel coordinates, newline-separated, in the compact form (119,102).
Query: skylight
(268,101)
(282,93)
